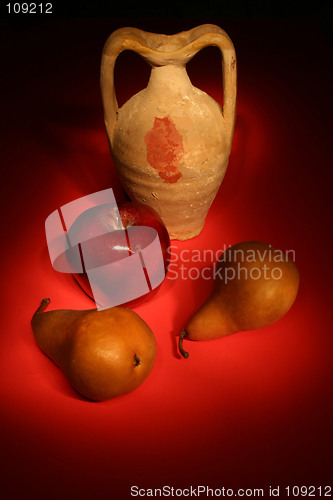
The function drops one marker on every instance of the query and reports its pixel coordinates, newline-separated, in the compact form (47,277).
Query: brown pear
(103,354)
(254,285)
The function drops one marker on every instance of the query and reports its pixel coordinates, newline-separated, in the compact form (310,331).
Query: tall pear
(255,285)
(103,354)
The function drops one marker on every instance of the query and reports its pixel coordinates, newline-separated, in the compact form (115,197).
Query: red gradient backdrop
(250,410)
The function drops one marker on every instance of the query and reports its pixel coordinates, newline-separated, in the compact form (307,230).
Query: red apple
(102,242)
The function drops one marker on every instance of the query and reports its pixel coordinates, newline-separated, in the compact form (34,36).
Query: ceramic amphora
(170,143)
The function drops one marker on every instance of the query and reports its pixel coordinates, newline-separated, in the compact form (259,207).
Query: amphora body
(170,142)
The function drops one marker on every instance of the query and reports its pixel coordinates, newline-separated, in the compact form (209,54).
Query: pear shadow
(196,291)
(62,280)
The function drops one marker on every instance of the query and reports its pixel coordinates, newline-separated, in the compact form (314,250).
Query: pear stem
(137,360)
(42,306)
(182,351)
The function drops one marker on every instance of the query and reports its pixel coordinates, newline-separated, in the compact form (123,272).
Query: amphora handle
(161,50)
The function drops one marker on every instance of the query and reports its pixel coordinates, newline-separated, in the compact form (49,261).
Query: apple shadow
(75,138)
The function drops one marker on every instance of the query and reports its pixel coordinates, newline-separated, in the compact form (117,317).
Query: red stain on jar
(165,149)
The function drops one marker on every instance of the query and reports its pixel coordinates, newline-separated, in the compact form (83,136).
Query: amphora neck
(169,79)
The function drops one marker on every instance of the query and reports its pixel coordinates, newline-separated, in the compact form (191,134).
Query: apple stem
(42,306)
(184,353)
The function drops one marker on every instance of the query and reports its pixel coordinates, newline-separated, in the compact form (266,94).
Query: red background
(251,410)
